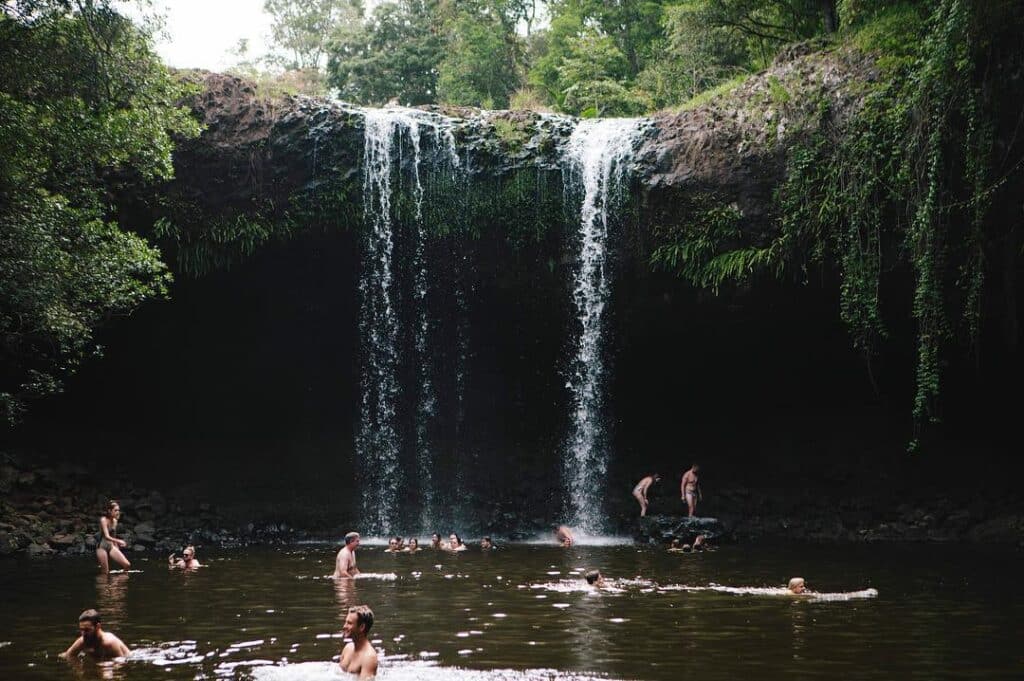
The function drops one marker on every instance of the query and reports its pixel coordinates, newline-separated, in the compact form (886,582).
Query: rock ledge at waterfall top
(259,152)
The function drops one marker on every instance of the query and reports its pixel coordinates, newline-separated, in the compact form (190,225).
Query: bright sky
(200,33)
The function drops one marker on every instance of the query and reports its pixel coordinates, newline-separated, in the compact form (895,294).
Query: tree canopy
(88,106)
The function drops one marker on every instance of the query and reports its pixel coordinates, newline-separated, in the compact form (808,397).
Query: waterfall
(377,445)
(389,133)
(596,159)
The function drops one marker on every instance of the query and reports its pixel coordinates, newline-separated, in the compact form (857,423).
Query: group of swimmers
(454,543)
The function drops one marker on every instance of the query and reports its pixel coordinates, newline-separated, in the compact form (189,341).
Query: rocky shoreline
(50,511)
(53,511)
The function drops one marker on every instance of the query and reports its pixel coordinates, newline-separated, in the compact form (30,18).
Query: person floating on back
(689,489)
(563,535)
(107,545)
(187,561)
(358,656)
(797,586)
(640,491)
(595,579)
(345,563)
(92,640)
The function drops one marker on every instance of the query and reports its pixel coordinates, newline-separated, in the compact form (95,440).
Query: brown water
(520,612)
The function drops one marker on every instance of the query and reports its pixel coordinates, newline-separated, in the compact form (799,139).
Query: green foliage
(302,28)
(479,66)
(908,184)
(394,55)
(84,105)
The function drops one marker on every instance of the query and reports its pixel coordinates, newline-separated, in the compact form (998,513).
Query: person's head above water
(675,544)
(352,540)
(392,544)
(89,625)
(358,621)
(435,539)
(189,553)
(486,543)
(796,585)
(594,578)
(454,540)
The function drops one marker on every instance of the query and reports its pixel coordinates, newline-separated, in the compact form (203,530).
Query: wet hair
(108,510)
(488,540)
(458,539)
(351,537)
(90,615)
(795,582)
(364,616)
(190,548)
(592,576)
(695,466)
(413,540)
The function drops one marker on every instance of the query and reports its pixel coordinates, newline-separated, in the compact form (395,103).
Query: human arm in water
(75,648)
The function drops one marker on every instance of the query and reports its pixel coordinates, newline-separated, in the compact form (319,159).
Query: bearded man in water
(358,656)
(92,640)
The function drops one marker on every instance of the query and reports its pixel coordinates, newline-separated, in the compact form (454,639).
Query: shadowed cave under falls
(425,370)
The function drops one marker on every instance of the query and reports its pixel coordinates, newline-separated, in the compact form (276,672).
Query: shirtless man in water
(93,640)
(640,491)
(689,489)
(345,564)
(358,656)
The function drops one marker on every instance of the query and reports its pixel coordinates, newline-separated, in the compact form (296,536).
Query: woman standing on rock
(107,545)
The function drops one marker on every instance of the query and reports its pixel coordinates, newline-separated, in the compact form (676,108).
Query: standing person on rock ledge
(640,491)
(107,545)
(689,489)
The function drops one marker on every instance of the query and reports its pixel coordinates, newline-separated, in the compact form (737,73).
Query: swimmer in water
(392,546)
(345,563)
(563,535)
(640,491)
(358,657)
(486,544)
(187,561)
(107,545)
(797,586)
(92,640)
(435,541)
(675,547)
(455,543)
(700,543)
(595,579)
(413,546)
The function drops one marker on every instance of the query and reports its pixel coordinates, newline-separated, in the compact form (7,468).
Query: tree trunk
(829,15)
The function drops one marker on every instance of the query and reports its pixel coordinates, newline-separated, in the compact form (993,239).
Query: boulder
(35,550)
(662,529)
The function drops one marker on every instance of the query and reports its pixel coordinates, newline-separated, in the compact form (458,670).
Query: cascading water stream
(597,155)
(388,133)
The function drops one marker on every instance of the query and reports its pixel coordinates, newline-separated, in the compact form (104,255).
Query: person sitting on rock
(188,559)
(92,640)
(640,491)
(796,586)
(107,545)
(595,579)
(358,657)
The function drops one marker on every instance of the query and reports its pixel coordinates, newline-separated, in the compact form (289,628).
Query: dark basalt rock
(662,529)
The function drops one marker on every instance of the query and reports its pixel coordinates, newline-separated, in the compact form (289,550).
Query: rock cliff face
(262,155)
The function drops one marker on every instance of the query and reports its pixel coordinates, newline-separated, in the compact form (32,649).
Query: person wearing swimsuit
(690,489)
(107,545)
(640,491)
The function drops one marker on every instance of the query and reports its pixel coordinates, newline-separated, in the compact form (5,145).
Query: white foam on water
(413,670)
(382,576)
(776,591)
(579,539)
